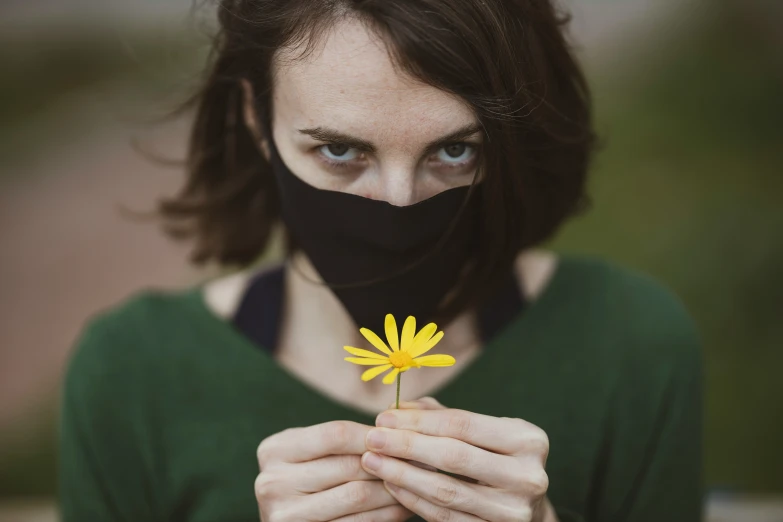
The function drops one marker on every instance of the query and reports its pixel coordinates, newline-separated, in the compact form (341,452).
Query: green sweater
(164,404)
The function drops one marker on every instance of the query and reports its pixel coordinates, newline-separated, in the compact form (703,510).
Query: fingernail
(404,405)
(372,461)
(376,439)
(386,420)
(392,487)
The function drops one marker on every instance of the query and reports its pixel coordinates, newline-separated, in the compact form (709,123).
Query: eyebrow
(328,135)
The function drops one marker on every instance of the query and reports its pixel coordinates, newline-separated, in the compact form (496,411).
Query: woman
(416,153)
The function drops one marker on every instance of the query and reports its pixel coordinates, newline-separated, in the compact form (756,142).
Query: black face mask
(376,257)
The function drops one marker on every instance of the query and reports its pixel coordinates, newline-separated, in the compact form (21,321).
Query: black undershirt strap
(501,309)
(259,313)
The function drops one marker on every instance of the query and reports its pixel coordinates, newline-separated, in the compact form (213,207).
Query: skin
(342,470)
(352,87)
(315,474)
(500,461)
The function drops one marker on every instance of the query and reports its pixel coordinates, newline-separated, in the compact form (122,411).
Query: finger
(406,405)
(313,442)
(425,403)
(432,403)
(427,510)
(443,491)
(346,499)
(327,472)
(498,434)
(446,454)
(396,513)
(421,465)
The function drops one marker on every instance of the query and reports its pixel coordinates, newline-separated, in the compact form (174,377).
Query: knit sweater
(164,403)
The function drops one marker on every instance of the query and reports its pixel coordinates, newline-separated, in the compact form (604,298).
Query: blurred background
(688,187)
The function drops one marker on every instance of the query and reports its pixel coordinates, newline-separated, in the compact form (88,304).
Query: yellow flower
(405,352)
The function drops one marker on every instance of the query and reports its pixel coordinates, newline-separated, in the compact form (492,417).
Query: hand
(505,458)
(315,474)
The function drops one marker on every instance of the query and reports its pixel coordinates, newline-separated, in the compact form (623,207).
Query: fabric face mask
(379,258)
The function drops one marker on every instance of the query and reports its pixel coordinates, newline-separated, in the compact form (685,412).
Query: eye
(456,153)
(339,152)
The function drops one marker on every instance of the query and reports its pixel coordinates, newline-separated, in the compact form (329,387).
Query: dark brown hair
(508,59)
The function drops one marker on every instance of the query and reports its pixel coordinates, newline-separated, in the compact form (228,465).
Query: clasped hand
(349,472)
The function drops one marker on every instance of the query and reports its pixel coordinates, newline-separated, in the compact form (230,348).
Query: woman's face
(344,119)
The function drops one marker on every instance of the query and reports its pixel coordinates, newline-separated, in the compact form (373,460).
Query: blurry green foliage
(51,70)
(690,189)
(28,457)
(43,70)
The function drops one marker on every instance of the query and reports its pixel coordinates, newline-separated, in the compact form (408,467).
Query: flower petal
(364,353)
(392,337)
(391,376)
(436,360)
(375,340)
(366,362)
(422,348)
(374,372)
(408,330)
(422,337)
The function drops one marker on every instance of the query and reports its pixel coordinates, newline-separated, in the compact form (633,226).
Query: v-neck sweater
(164,403)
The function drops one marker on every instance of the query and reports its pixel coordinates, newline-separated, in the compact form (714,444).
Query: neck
(316,327)
(311,306)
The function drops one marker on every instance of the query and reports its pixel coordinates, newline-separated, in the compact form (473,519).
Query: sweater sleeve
(105,469)
(653,467)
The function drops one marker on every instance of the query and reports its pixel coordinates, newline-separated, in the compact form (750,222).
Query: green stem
(399,378)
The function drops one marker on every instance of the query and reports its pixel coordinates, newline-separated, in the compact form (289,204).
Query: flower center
(401,360)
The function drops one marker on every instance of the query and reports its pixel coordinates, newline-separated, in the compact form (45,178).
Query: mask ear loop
(266,145)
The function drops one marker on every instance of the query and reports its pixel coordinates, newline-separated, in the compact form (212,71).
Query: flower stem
(399,378)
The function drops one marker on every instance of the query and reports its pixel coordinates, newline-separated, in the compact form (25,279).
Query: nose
(398,186)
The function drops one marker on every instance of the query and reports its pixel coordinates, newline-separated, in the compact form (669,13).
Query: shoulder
(534,269)
(638,366)
(644,327)
(113,403)
(124,341)
(152,331)
(223,295)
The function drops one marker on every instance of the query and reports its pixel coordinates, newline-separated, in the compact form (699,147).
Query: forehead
(350,83)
